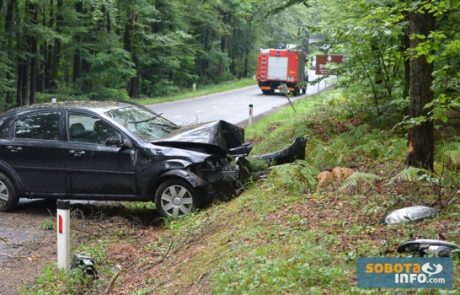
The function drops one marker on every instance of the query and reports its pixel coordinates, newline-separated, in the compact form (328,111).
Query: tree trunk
(19,100)
(57,48)
(32,14)
(22,60)
(49,51)
(108,20)
(77,53)
(135,81)
(9,43)
(405,45)
(133,84)
(421,137)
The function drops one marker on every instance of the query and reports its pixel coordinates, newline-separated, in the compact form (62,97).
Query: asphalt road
(231,106)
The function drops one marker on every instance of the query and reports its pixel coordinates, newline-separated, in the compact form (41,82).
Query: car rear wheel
(8,198)
(175,198)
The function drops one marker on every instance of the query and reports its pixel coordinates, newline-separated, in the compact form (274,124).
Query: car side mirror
(119,142)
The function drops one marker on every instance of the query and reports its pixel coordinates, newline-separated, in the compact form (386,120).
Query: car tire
(175,198)
(8,197)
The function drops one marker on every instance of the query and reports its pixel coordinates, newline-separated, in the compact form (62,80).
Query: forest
(403,56)
(144,48)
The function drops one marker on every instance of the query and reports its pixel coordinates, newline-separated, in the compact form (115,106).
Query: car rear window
(38,126)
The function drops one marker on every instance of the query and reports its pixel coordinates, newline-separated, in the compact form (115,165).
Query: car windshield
(146,125)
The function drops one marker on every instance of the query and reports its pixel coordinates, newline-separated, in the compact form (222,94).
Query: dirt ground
(24,245)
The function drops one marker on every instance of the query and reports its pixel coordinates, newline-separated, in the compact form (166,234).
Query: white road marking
(199,111)
(178,116)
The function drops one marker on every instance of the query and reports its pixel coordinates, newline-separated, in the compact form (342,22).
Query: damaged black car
(123,152)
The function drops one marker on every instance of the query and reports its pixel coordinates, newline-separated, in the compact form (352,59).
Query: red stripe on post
(60,225)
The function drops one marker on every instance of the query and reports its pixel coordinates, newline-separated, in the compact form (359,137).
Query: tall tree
(421,136)
(32,14)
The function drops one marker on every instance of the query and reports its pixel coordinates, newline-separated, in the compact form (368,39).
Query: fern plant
(414,175)
(353,182)
(299,177)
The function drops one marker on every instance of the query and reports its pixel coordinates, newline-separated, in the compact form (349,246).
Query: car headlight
(210,162)
(215,162)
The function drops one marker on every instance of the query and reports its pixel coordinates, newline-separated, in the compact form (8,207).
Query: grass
(281,236)
(53,281)
(201,91)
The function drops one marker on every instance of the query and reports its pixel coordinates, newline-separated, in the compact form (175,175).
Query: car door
(93,168)
(35,150)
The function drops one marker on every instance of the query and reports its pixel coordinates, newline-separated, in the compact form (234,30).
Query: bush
(109,94)
(162,87)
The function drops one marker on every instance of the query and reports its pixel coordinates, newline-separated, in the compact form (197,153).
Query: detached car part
(86,264)
(295,151)
(408,214)
(425,247)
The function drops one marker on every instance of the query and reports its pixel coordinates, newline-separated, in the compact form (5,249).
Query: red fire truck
(282,66)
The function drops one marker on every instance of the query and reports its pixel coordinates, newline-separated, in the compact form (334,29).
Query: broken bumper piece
(296,151)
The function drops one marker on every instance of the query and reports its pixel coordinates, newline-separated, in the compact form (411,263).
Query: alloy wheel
(4,193)
(176,200)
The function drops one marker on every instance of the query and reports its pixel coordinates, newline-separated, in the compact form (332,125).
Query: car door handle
(14,149)
(77,153)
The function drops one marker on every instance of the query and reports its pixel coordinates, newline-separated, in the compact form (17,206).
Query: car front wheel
(175,198)
(8,197)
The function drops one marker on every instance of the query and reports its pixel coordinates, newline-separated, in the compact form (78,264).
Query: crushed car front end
(224,176)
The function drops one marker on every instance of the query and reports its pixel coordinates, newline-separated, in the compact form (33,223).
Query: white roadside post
(194,87)
(53,99)
(63,234)
(251,114)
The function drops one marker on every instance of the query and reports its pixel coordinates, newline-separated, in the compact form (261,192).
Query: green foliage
(450,154)
(374,37)
(108,94)
(52,281)
(111,69)
(299,177)
(357,179)
(47,224)
(263,272)
(414,175)
(359,144)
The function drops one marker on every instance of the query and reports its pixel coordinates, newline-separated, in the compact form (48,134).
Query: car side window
(38,126)
(89,129)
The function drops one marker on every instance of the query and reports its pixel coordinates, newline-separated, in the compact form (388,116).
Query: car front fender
(174,164)
(194,180)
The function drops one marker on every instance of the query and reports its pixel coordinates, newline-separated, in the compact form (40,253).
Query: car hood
(212,137)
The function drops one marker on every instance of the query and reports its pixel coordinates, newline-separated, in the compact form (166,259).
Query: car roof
(91,105)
